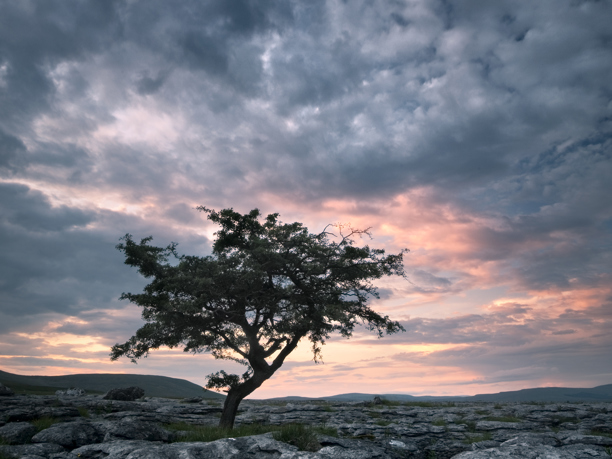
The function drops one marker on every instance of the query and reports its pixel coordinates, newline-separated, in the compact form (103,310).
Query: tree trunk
(230,408)
(235,396)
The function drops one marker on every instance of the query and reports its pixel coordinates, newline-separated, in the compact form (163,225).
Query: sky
(477,134)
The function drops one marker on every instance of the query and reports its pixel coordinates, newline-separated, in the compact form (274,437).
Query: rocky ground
(91,427)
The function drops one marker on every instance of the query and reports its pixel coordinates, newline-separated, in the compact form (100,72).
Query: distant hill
(154,386)
(540,394)
(551,394)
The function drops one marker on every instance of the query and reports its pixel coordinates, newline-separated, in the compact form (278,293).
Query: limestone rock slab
(69,435)
(16,433)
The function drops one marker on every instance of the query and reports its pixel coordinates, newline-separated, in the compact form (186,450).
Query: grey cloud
(31,211)
(146,85)
(11,151)
(504,326)
(426,282)
(564,332)
(52,262)
(38,34)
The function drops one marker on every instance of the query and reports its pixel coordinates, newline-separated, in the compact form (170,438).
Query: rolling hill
(154,386)
(540,394)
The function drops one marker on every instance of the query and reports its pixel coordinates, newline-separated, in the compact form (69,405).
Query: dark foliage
(266,286)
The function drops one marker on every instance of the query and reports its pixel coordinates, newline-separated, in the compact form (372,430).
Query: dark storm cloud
(51,261)
(10,149)
(36,35)
(49,256)
(31,211)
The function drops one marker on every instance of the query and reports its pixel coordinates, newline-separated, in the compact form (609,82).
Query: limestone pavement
(91,427)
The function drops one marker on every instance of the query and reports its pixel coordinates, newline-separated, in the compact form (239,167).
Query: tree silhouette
(266,286)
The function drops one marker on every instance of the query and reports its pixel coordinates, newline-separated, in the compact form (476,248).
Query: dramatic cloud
(477,134)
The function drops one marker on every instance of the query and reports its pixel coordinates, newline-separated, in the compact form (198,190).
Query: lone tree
(266,286)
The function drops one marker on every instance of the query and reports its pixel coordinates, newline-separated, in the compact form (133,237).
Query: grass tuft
(295,434)
(599,433)
(304,437)
(503,419)
(471,426)
(430,404)
(382,422)
(477,438)
(84,412)
(44,423)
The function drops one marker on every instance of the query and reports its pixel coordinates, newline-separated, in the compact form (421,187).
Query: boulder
(72,392)
(128,394)
(135,430)
(5,391)
(45,450)
(69,435)
(15,433)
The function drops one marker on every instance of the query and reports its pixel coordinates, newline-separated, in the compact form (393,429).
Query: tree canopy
(266,286)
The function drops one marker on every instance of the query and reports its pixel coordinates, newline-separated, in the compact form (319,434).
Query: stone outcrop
(5,391)
(128,394)
(75,391)
(81,426)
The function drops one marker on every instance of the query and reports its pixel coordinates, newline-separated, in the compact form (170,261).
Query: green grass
(503,419)
(374,414)
(482,412)
(556,420)
(439,423)
(599,433)
(26,389)
(364,437)
(44,423)
(386,402)
(471,425)
(476,438)
(430,404)
(382,422)
(304,437)
(84,412)
(299,435)
(498,406)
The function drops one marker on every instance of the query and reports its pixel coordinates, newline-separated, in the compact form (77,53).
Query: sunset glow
(478,136)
